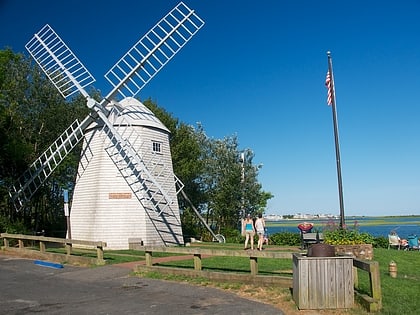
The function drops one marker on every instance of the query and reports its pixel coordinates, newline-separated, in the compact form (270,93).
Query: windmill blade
(145,59)
(26,186)
(59,63)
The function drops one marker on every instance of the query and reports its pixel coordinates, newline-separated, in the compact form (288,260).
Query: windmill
(125,186)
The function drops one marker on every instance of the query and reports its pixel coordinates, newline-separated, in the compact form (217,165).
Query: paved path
(27,288)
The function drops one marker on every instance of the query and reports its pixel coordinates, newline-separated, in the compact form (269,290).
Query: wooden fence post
(41,246)
(6,242)
(254,265)
(100,252)
(148,255)
(375,283)
(197,262)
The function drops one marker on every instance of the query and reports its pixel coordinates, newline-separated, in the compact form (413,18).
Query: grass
(401,294)
(266,266)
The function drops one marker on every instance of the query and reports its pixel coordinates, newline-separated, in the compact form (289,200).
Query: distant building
(300,216)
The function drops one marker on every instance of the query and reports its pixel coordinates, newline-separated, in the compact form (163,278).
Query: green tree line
(219,177)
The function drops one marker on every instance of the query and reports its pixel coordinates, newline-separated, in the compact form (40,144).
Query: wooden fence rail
(373,301)
(42,242)
(199,252)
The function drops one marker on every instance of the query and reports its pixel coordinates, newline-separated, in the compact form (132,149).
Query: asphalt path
(29,288)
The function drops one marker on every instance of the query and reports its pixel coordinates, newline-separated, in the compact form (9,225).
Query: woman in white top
(260,227)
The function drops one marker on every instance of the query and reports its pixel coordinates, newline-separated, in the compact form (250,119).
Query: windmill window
(157,147)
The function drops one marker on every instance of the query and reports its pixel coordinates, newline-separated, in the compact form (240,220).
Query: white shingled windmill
(125,187)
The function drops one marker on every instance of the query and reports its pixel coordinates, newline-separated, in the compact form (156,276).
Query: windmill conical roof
(136,113)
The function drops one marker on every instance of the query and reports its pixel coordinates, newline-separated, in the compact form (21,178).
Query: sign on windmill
(125,187)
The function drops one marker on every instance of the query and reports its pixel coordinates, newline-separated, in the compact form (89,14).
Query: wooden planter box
(361,251)
(323,282)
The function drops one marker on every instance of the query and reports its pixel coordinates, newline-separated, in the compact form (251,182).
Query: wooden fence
(199,252)
(372,302)
(41,242)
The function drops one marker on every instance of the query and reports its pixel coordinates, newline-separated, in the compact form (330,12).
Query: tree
(212,173)
(32,115)
(232,184)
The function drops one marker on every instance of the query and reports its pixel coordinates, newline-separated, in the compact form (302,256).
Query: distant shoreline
(350,217)
(351,221)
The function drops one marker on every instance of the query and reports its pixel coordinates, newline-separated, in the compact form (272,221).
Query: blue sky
(257,70)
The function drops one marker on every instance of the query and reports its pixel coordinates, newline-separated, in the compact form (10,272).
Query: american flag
(328,84)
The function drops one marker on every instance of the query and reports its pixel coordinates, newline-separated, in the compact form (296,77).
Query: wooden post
(68,248)
(197,262)
(254,265)
(42,246)
(21,244)
(148,255)
(6,242)
(100,252)
(375,283)
(355,277)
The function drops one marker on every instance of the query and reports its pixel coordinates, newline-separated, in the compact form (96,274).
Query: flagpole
(337,144)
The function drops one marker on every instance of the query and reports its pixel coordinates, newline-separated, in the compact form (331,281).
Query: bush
(285,238)
(232,236)
(381,242)
(12,228)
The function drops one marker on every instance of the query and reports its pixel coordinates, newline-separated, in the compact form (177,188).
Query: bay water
(376,226)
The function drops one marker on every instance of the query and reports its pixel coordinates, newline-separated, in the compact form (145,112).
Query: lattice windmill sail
(126,187)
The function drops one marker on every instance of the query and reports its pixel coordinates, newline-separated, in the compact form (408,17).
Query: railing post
(21,245)
(197,261)
(254,265)
(41,246)
(6,242)
(100,252)
(68,248)
(148,255)
(375,282)
(355,277)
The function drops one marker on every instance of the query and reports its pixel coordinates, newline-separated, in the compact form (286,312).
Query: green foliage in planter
(335,235)
(345,237)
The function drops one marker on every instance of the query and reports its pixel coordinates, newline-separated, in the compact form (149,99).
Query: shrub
(232,236)
(12,227)
(381,242)
(285,238)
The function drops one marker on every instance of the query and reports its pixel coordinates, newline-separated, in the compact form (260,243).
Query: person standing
(248,228)
(260,227)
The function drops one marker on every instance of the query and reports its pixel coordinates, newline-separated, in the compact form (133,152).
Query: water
(376,226)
